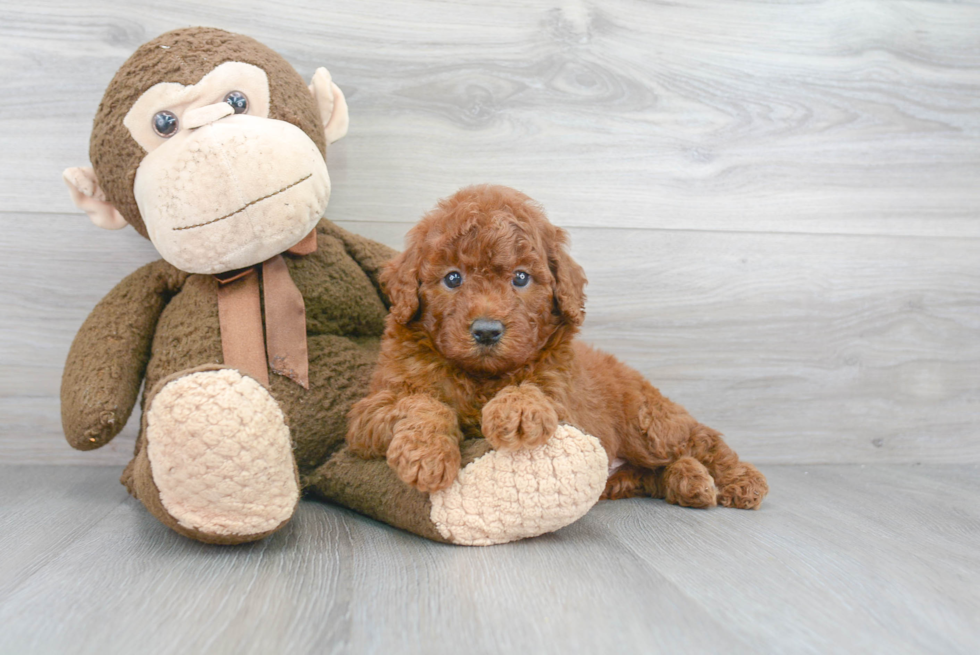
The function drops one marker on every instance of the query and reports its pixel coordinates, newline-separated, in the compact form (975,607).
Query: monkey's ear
(332,104)
(88,196)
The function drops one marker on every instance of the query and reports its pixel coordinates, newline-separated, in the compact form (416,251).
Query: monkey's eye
(521,279)
(238,101)
(453,279)
(165,124)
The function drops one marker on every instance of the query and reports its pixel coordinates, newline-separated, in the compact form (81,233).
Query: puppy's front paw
(423,458)
(519,416)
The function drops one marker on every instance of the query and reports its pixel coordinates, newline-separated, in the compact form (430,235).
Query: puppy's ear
(400,281)
(569,281)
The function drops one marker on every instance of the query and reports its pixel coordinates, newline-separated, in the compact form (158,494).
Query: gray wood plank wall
(777,203)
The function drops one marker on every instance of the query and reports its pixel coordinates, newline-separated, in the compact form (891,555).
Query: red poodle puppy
(485,305)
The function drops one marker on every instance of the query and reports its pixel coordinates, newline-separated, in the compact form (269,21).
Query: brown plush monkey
(259,328)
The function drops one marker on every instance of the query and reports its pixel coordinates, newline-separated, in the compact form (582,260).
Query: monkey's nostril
(486,332)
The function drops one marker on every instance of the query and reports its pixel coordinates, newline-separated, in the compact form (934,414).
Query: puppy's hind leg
(630,481)
(740,485)
(667,436)
(685,482)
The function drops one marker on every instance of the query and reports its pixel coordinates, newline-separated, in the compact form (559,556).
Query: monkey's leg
(214,460)
(497,497)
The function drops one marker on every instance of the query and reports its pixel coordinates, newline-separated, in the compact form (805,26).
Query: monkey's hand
(108,357)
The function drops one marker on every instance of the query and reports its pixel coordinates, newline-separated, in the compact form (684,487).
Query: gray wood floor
(841,559)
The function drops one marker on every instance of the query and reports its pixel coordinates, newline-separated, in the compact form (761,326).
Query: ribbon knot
(283,350)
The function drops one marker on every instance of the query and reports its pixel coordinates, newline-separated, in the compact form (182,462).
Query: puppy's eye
(453,279)
(521,279)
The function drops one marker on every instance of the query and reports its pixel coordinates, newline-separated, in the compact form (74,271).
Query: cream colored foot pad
(221,454)
(509,495)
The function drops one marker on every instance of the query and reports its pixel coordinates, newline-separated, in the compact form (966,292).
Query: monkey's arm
(108,357)
(370,255)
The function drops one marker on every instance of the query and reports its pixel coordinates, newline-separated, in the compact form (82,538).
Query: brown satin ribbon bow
(240,319)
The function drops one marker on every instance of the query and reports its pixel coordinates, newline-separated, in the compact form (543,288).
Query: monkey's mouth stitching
(241,209)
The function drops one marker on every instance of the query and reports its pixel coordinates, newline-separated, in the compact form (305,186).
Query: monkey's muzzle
(231,193)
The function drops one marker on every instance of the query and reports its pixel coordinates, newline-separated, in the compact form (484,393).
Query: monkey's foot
(217,462)
(508,495)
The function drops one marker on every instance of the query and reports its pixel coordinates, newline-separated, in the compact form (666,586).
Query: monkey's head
(212,146)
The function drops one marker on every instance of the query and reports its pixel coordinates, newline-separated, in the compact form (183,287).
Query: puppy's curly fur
(485,304)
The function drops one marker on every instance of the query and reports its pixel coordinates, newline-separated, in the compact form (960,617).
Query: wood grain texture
(36,528)
(843,559)
(776,202)
(855,117)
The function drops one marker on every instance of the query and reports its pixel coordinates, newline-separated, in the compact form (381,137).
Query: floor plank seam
(616,228)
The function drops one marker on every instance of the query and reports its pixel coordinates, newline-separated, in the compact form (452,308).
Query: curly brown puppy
(485,305)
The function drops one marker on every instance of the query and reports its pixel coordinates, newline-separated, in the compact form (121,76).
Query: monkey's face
(222,185)
(213,146)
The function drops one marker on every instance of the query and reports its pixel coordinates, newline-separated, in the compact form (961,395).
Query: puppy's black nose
(486,332)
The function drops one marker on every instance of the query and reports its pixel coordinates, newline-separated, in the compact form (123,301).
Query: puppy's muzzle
(486,332)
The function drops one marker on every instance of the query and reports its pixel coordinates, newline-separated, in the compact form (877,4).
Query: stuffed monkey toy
(259,327)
